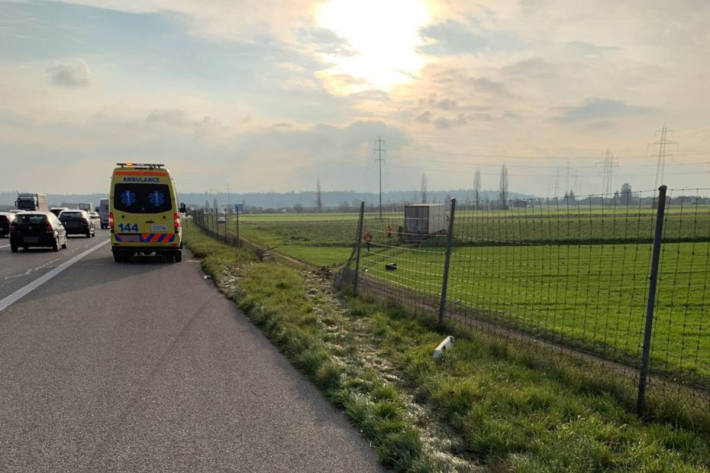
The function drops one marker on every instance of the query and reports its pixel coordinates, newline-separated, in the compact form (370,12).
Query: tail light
(176,221)
(49,228)
(110,221)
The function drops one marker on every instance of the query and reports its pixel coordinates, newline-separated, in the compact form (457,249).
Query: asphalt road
(145,367)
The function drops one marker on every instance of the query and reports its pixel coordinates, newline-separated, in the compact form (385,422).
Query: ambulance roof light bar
(141,165)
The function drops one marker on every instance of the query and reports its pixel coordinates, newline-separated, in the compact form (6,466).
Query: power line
(608,171)
(379,160)
(662,155)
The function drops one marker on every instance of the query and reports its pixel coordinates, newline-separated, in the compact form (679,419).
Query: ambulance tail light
(176,221)
(110,221)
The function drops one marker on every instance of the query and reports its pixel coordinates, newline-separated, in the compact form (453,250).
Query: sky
(274,95)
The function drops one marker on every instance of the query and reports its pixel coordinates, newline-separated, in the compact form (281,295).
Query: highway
(145,367)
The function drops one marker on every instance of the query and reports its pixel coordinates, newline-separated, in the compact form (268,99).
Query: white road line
(4,246)
(23,291)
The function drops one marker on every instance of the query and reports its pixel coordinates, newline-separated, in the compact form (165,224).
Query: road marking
(4,246)
(23,291)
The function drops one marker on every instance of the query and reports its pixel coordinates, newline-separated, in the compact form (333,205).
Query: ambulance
(143,212)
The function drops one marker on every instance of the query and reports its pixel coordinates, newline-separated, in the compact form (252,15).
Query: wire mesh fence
(568,274)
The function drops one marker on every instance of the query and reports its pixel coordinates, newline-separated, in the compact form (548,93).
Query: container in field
(424,220)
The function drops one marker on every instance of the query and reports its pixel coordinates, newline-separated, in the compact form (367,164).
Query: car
(144,216)
(96,219)
(221,219)
(6,218)
(77,221)
(37,229)
(57,210)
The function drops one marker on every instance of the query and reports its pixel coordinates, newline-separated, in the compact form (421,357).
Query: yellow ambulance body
(143,212)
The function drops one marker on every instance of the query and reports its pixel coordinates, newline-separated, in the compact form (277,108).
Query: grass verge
(300,321)
(494,408)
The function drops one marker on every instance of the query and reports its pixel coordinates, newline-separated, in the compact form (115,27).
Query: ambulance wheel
(177,256)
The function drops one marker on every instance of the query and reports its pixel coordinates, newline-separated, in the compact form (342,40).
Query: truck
(88,206)
(422,221)
(103,212)
(32,202)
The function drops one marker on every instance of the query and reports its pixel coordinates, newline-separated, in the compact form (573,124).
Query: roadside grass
(514,413)
(297,320)
(506,410)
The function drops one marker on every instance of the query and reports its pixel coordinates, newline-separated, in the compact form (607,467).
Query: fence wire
(568,274)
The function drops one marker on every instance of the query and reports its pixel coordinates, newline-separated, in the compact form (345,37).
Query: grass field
(571,275)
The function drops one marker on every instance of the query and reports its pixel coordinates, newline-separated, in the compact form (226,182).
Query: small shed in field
(424,219)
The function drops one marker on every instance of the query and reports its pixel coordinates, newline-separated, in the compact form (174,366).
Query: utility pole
(556,186)
(379,160)
(608,166)
(662,155)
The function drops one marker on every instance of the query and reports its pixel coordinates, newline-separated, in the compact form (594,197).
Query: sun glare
(382,37)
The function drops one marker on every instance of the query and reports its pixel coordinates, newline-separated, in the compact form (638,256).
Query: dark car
(37,229)
(78,222)
(6,218)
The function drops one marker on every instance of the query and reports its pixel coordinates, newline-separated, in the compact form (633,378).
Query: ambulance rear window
(142,198)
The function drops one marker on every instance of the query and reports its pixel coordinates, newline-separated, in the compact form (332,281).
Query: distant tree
(503,191)
(477,188)
(626,193)
(423,189)
(207,204)
(569,197)
(298,208)
(215,204)
(319,200)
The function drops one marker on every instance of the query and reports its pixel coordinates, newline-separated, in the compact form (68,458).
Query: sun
(382,40)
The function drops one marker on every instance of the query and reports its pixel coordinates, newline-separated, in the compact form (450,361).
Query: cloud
(451,37)
(596,108)
(325,41)
(425,117)
(70,74)
(487,85)
(589,49)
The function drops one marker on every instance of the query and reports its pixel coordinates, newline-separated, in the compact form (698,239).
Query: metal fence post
(359,244)
(660,212)
(447,261)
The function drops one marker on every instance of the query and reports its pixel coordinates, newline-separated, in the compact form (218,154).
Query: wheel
(13,248)
(55,246)
(88,234)
(117,257)
(64,245)
(177,257)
